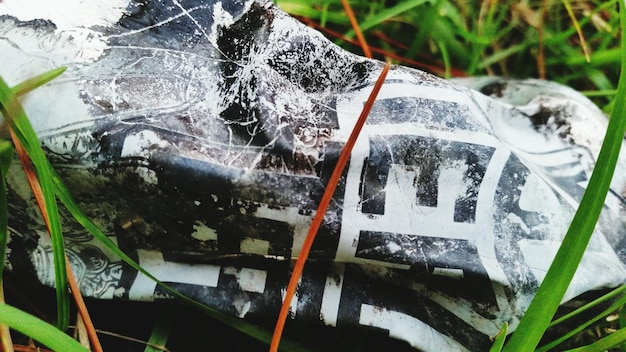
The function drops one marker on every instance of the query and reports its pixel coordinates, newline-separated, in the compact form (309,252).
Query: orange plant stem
(321,210)
(31,175)
(357,29)
(82,308)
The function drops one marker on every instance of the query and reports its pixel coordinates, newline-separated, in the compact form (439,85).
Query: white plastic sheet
(200,135)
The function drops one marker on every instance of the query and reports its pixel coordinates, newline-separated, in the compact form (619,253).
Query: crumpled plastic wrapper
(200,136)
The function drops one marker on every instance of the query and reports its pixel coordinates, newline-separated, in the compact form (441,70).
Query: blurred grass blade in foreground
(18,122)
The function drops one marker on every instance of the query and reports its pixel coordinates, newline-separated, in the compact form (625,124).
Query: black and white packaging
(200,136)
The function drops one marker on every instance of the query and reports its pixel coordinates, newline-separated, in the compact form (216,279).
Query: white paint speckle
(221,18)
(141,144)
(203,233)
(393,247)
(242,307)
(249,280)
(254,246)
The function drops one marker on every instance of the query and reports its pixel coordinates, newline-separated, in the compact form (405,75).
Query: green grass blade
(498,342)
(14,114)
(621,322)
(583,326)
(37,81)
(299,8)
(324,15)
(428,20)
(502,55)
(604,344)
(6,155)
(160,333)
(589,305)
(597,59)
(38,329)
(550,293)
(446,59)
(384,15)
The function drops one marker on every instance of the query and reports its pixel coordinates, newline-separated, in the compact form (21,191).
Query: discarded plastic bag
(200,136)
